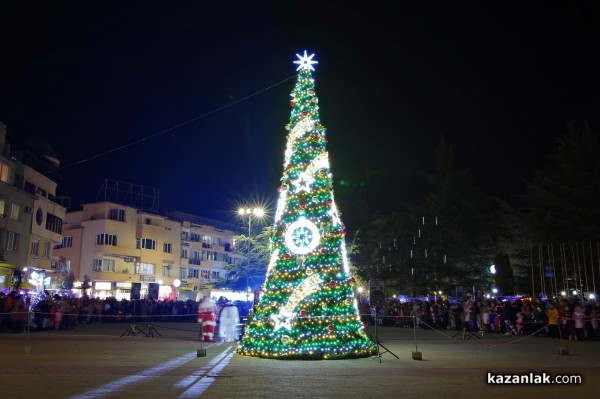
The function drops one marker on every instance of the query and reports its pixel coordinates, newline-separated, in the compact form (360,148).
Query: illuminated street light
(250,213)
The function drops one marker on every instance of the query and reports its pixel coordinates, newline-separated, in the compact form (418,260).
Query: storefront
(6,276)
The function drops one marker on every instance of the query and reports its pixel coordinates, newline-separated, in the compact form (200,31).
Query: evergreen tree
(561,203)
(452,228)
(248,272)
(308,308)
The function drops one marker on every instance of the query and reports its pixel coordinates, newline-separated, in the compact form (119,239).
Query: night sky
(207,84)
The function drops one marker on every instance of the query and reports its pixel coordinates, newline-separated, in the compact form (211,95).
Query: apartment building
(111,247)
(42,271)
(206,252)
(15,217)
(30,218)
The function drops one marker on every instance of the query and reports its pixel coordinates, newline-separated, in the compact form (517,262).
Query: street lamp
(250,212)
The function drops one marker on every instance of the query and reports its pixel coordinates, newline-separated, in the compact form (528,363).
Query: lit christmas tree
(308,309)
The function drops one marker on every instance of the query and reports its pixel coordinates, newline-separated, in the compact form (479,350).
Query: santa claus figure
(206,316)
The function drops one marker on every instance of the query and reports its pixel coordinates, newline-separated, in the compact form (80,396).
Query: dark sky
(498,81)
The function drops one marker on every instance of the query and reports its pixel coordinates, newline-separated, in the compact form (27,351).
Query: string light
(308,309)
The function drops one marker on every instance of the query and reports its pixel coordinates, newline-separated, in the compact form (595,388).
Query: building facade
(30,219)
(15,218)
(119,251)
(43,272)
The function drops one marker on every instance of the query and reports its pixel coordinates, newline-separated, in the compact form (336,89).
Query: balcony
(193,261)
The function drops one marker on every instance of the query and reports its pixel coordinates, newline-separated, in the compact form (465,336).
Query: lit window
(144,268)
(104,265)
(4,172)
(15,211)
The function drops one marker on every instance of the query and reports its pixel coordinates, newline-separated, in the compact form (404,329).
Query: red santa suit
(206,316)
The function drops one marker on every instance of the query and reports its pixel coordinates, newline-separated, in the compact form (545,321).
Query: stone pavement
(93,361)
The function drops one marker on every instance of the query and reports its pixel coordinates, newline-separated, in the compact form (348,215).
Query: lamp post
(250,213)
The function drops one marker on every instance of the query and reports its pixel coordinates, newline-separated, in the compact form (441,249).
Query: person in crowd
(18,314)
(579,323)
(568,322)
(595,320)
(2,311)
(553,318)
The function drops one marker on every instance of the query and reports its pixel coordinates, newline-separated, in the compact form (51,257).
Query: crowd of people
(41,312)
(567,318)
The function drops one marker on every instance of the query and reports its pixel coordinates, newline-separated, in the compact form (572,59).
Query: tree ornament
(315,199)
(292,103)
(332,284)
(302,202)
(323,250)
(285,339)
(352,280)
(301,259)
(303,313)
(287,256)
(328,202)
(305,114)
(330,328)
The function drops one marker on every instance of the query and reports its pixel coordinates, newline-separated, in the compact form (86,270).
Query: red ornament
(292,103)
(305,114)
(343,232)
(316,139)
(303,313)
(323,250)
(328,202)
(279,223)
(287,256)
(302,202)
(352,280)
(332,283)
(330,328)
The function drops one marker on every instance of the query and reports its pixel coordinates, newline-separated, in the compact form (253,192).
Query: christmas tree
(308,309)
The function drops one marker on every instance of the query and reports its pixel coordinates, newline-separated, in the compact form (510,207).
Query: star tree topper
(305,62)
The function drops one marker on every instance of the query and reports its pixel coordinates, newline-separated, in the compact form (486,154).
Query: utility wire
(170,129)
